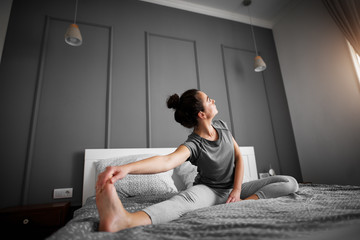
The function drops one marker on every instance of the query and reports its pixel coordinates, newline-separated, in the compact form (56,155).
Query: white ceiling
(265,13)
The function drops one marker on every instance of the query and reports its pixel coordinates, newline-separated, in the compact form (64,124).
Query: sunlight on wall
(356,60)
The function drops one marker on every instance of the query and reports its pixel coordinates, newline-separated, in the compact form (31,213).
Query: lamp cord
(76,5)
(252,31)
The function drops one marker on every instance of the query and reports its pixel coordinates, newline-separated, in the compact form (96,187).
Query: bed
(316,211)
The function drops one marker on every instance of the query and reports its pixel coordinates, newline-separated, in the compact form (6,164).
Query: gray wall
(57,100)
(323,94)
(5,7)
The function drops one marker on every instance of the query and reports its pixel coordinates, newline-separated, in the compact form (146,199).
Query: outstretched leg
(113,216)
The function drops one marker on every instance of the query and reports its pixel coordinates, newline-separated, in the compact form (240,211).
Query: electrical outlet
(264,175)
(63,193)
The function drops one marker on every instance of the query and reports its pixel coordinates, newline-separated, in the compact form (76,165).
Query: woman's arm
(239,175)
(150,165)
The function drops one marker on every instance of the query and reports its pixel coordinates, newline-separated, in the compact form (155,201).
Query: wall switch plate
(264,175)
(63,193)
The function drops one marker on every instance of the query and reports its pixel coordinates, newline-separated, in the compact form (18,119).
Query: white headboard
(94,155)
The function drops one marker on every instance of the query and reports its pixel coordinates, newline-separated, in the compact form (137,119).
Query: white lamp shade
(73,35)
(259,65)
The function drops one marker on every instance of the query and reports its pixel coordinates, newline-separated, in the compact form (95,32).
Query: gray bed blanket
(313,210)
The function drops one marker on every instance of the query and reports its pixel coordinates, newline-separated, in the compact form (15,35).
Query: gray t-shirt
(215,159)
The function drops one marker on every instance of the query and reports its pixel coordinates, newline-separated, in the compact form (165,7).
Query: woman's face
(209,105)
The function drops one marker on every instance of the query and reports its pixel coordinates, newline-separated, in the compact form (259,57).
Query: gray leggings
(200,196)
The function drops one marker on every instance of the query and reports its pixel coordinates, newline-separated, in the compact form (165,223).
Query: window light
(356,60)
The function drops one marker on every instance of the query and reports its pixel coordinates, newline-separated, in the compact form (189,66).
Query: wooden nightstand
(34,221)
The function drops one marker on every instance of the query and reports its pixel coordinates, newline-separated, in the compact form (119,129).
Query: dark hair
(186,107)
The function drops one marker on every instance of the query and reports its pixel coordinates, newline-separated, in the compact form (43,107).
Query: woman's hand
(111,174)
(234,196)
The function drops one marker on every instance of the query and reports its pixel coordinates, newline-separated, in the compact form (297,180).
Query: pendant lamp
(259,64)
(73,35)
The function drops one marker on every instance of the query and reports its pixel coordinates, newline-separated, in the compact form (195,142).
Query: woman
(211,148)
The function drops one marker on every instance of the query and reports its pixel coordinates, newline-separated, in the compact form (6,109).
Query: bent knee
(289,183)
(292,185)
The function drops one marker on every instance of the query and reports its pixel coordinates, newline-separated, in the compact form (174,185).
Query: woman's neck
(207,131)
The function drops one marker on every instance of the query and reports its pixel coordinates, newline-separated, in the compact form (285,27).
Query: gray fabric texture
(313,210)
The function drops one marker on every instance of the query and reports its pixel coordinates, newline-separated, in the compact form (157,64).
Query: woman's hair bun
(173,101)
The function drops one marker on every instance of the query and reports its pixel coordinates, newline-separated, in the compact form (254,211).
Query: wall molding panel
(162,78)
(34,147)
(34,115)
(253,112)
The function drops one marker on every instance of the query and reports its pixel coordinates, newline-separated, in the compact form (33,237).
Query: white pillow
(138,184)
(187,173)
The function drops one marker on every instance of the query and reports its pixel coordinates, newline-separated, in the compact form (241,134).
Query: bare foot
(252,197)
(113,216)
